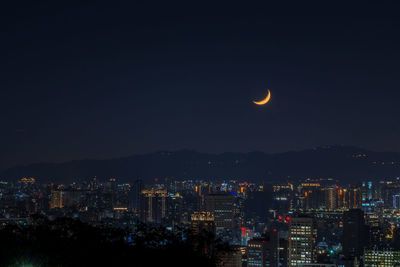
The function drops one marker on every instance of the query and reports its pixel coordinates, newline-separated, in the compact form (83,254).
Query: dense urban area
(313,222)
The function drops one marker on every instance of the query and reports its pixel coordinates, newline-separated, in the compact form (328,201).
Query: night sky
(110,79)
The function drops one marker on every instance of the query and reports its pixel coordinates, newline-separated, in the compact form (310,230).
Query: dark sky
(107,79)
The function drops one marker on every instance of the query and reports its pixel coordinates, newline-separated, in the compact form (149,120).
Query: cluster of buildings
(314,222)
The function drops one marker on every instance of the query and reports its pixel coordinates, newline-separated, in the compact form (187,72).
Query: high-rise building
(264,251)
(312,196)
(381,258)
(93,184)
(202,221)
(135,195)
(331,198)
(232,258)
(302,241)
(349,198)
(56,199)
(283,252)
(71,197)
(354,233)
(154,205)
(376,237)
(391,194)
(367,189)
(396,201)
(111,185)
(222,205)
(255,253)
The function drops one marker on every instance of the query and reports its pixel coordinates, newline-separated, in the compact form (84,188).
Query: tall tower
(331,198)
(231,258)
(302,241)
(154,202)
(264,251)
(202,221)
(56,199)
(354,233)
(135,196)
(222,205)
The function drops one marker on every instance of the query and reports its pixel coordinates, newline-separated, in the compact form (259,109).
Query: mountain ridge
(346,163)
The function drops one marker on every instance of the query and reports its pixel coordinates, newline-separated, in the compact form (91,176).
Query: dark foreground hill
(339,162)
(67,242)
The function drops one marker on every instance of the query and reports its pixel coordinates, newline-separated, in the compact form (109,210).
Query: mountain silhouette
(346,163)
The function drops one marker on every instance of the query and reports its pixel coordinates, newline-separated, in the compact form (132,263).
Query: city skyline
(223,134)
(311,222)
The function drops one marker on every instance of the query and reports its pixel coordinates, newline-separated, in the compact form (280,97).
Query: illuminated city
(195,134)
(314,221)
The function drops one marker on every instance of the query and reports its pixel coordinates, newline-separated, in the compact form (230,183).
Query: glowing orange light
(264,101)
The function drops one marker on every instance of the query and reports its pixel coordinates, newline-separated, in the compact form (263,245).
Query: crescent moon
(264,101)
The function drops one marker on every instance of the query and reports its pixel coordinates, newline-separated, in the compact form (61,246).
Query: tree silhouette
(69,242)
